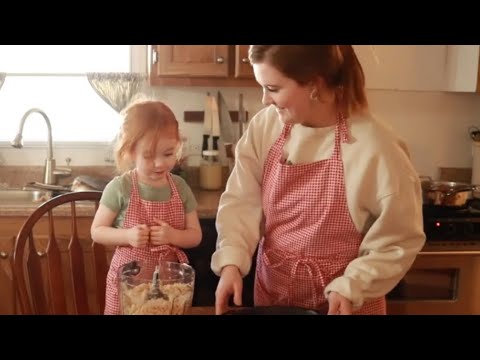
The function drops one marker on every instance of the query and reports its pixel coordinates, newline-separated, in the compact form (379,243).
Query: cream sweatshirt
(383,192)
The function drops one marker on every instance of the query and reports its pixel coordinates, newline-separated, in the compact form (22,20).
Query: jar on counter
(210,170)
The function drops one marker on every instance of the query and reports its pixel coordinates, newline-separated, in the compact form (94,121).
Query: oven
(445,277)
(439,283)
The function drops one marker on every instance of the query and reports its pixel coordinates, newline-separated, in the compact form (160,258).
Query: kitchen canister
(476,162)
(210,171)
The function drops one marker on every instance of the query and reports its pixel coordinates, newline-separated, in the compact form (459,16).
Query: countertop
(208,310)
(207,206)
(207,209)
(202,310)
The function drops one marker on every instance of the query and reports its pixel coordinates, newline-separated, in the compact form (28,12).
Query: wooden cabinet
(201,65)
(403,67)
(10,226)
(8,303)
(463,73)
(450,68)
(243,69)
(200,257)
(205,280)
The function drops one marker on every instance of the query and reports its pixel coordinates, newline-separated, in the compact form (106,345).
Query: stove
(452,229)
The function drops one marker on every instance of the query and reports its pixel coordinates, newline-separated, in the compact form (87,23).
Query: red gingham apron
(141,211)
(309,235)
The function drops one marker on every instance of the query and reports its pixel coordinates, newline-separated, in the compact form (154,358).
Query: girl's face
(152,168)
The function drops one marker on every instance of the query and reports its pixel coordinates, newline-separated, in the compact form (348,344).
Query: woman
(325,190)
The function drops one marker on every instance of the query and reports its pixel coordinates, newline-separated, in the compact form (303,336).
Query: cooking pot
(447,193)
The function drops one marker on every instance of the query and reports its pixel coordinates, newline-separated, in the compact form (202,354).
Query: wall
(434,125)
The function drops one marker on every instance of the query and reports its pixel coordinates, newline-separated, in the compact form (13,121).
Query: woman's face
(152,168)
(292,101)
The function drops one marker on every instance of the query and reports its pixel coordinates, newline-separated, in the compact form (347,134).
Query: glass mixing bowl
(137,279)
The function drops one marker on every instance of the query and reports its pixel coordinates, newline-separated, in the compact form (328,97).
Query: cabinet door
(205,280)
(201,65)
(463,68)
(7,288)
(243,69)
(404,67)
(191,60)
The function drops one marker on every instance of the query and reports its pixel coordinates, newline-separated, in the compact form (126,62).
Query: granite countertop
(14,177)
(207,209)
(207,206)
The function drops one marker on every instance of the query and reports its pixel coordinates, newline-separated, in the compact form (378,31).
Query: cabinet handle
(220,60)
(3,255)
(245,60)
(40,253)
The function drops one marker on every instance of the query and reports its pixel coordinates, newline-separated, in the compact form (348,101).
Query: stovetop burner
(448,224)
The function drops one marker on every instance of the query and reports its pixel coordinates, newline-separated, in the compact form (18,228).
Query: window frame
(138,64)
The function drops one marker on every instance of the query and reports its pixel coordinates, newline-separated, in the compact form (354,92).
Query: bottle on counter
(210,171)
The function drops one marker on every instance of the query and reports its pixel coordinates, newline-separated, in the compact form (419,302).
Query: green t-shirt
(116,195)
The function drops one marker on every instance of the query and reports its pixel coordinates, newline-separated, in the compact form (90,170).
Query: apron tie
(314,274)
(316,277)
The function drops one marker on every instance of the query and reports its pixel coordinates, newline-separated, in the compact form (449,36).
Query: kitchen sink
(19,196)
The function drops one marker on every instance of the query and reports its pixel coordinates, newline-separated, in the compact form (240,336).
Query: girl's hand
(338,305)
(161,234)
(138,236)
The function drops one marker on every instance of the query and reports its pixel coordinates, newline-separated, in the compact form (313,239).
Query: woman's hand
(230,282)
(138,236)
(161,234)
(338,305)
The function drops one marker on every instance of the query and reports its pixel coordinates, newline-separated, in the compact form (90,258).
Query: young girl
(147,213)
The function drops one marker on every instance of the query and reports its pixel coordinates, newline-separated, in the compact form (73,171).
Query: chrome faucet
(50,169)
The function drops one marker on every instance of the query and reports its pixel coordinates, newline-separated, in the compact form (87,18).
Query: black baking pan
(274,310)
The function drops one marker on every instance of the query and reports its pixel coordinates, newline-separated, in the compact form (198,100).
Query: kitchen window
(53,79)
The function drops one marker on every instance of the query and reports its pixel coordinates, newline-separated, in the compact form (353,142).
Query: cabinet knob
(220,60)
(3,255)
(245,60)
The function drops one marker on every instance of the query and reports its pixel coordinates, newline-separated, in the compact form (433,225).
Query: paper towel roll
(476,163)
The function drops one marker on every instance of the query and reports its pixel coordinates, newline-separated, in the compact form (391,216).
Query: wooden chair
(58,269)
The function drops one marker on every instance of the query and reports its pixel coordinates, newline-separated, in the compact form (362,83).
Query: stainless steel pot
(447,193)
